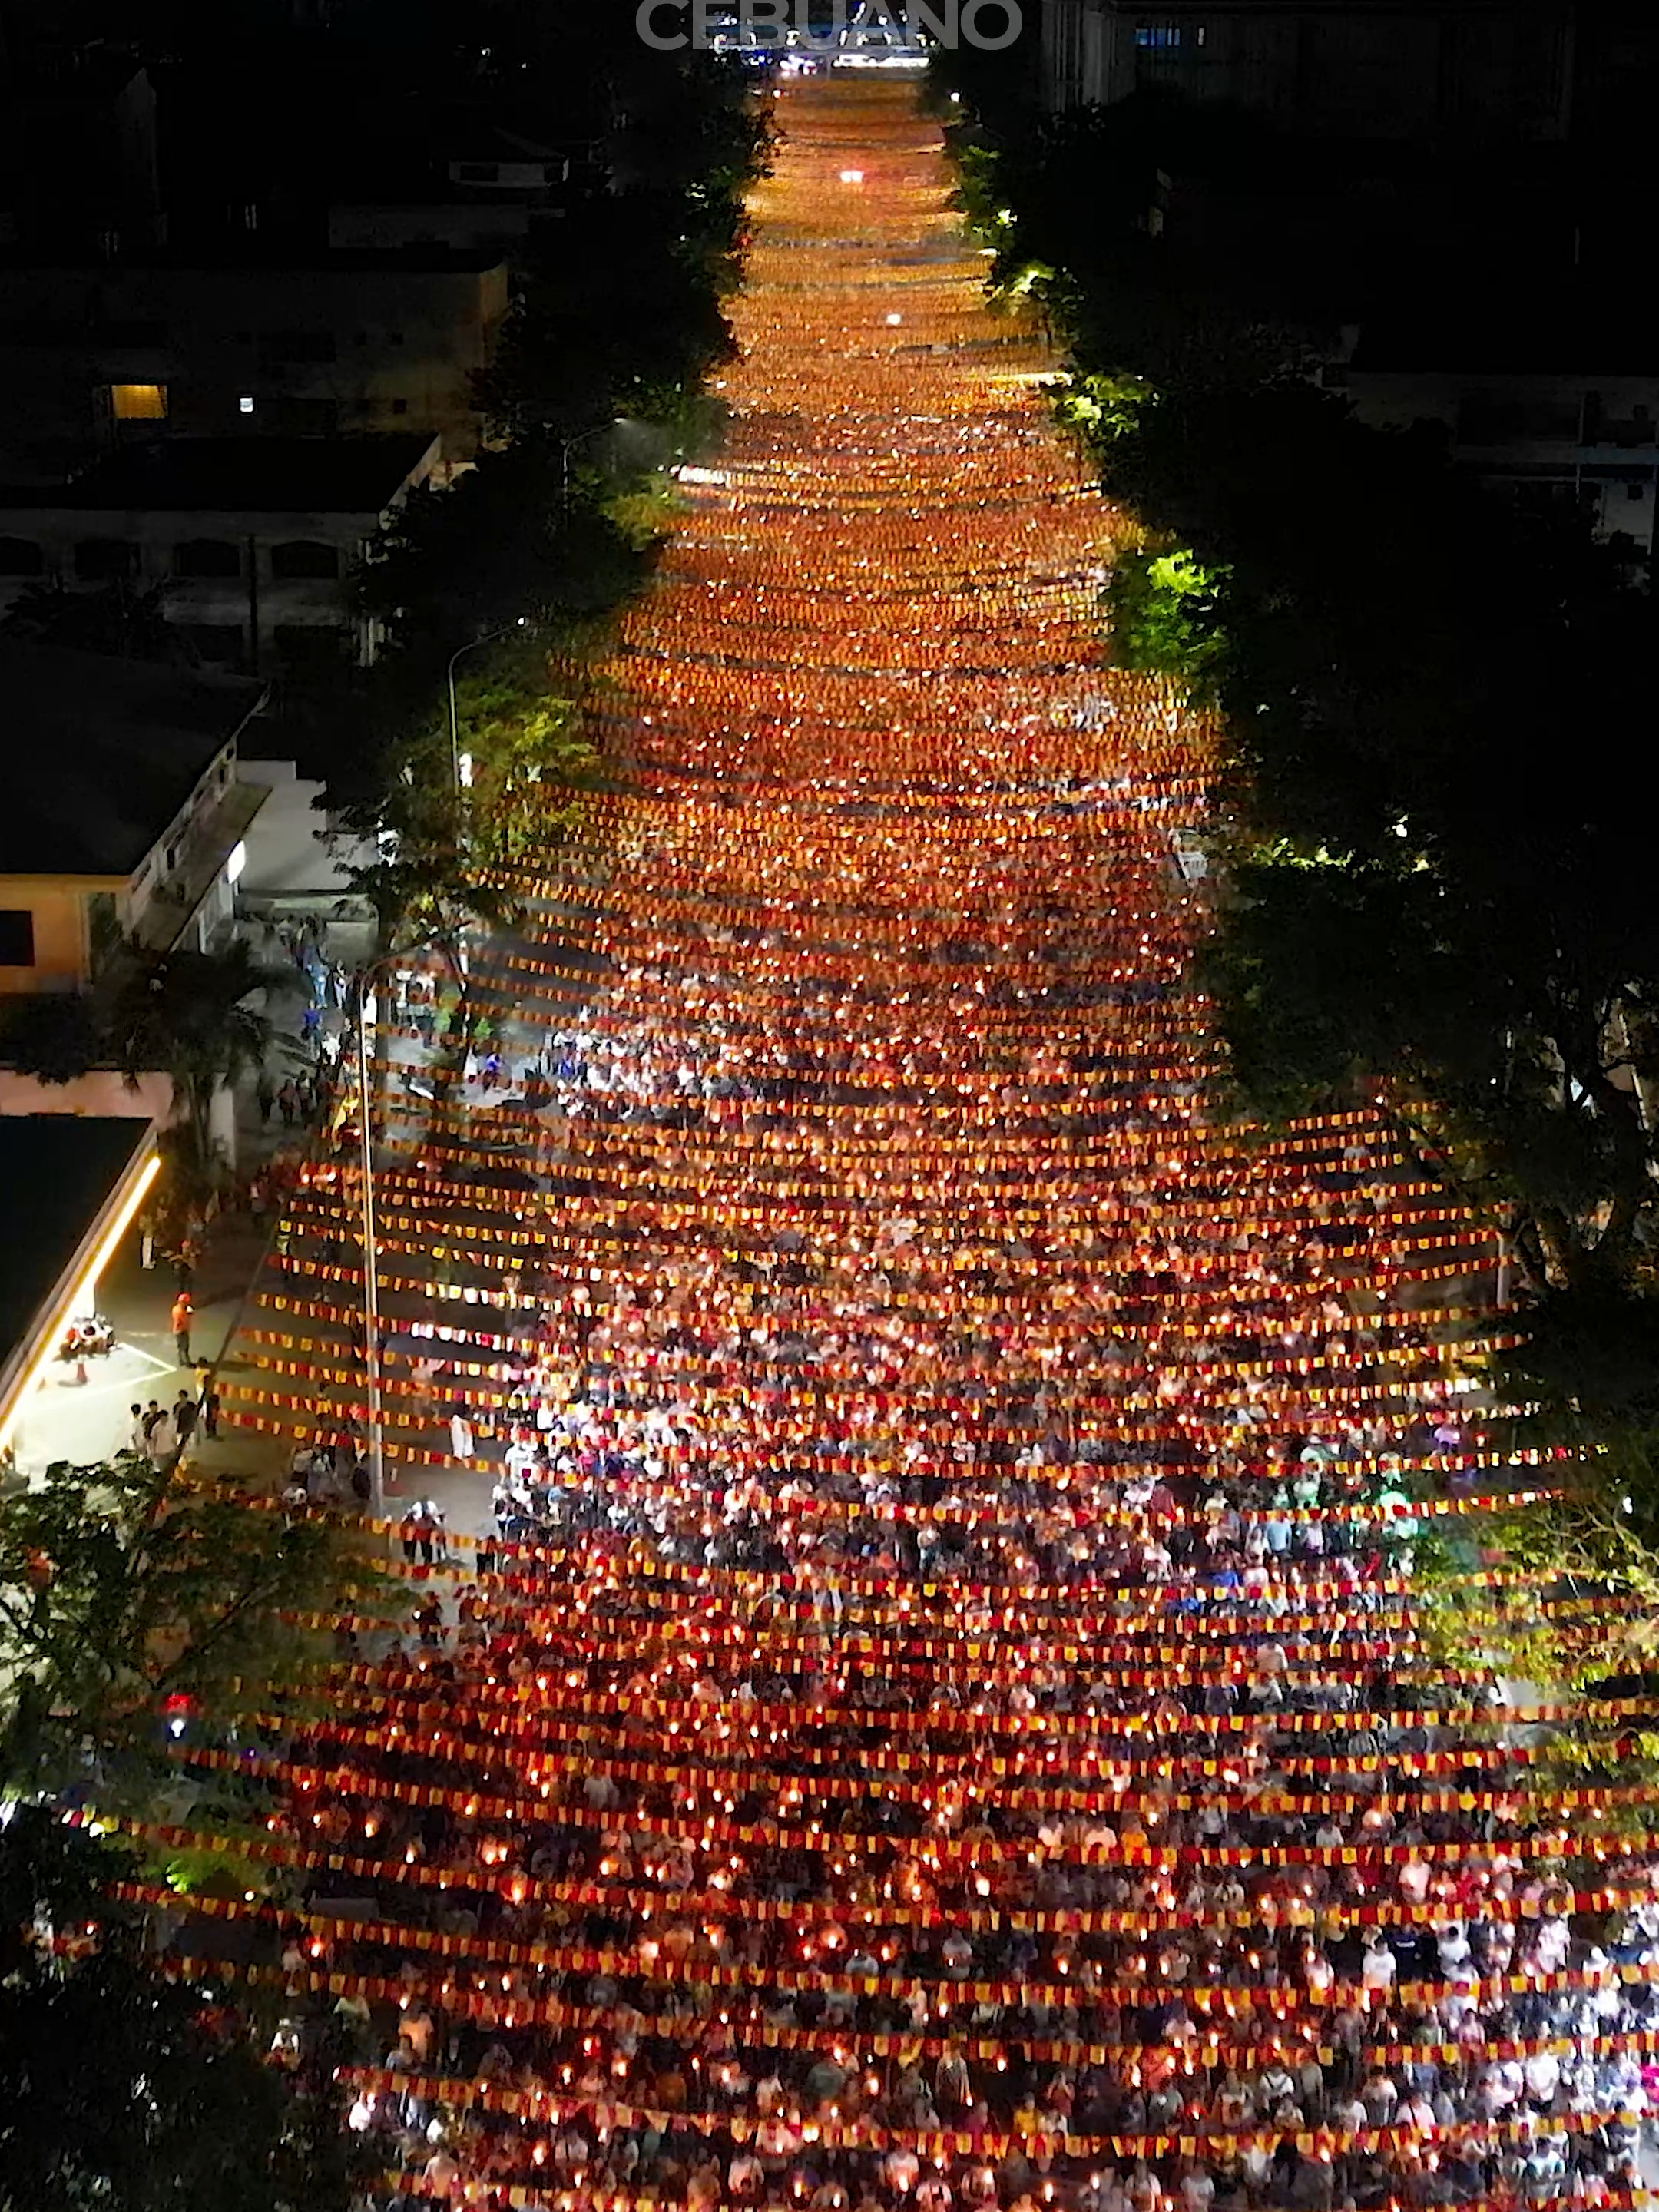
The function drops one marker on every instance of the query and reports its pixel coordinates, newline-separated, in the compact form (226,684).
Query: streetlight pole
(490,636)
(371,1253)
(568,445)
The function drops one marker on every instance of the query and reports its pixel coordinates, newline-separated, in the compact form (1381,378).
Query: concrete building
(346,344)
(124,813)
(255,539)
(79,164)
(1360,69)
(475,185)
(1541,437)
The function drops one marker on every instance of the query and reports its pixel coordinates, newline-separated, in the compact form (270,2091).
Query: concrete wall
(101,1094)
(223,608)
(389,226)
(60,935)
(391,348)
(285,857)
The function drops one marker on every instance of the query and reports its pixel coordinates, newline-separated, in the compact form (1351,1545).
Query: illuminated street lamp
(463,776)
(568,446)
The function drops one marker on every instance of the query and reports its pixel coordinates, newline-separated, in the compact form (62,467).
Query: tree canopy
(122,1585)
(119,2087)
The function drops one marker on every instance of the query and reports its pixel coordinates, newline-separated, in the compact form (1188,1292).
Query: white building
(256,539)
(125,816)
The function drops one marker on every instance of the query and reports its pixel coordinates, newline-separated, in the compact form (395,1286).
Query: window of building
(138,403)
(16,937)
(20,557)
(207,556)
(105,559)
(304,557)
(1157,37)
(400,407)
(245,405)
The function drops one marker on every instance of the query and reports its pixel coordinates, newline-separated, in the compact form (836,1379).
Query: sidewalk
(84,1423)
(270,1409)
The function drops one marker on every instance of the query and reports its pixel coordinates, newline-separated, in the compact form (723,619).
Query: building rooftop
(242,475)
(58,1171)
(101,754)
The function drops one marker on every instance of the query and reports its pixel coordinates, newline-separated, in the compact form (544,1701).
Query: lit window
(138,403)
(1160,38)
(245,405)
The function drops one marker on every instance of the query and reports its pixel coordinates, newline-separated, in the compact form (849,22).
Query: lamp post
(520,621)
(568,445)
(376,1437)
(371,1260)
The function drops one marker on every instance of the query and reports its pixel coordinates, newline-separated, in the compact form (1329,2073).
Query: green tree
(185,1014)
(121,1585)
(119,2087)
(504,541)
(1165,614)
(1431,898)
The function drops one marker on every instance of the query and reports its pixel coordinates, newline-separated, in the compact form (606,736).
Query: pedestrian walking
(185,1410)
(183,1314)
(438,1526)
(137,1434)
(264,1096)
(208,1399)
(147,1240)
(287,1103)
(160,1437)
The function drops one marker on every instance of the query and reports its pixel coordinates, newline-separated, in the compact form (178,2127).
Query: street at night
(894,1131)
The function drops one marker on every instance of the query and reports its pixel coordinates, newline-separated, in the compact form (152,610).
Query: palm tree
(185,1014)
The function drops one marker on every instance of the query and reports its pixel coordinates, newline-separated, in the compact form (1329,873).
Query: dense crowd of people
(937,1712)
